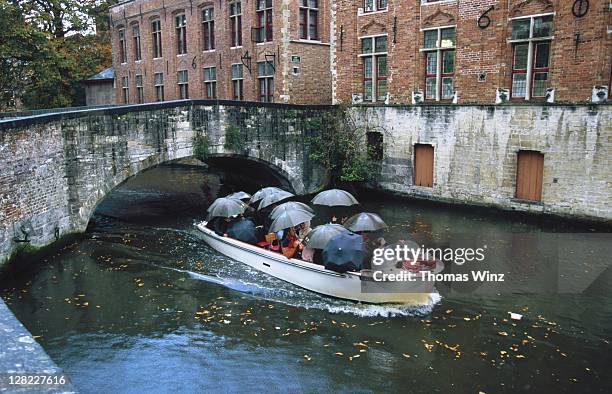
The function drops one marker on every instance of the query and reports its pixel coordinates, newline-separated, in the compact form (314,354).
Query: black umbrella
(344,252)
(243,230)
(365,221)
(334,198)
(319,237)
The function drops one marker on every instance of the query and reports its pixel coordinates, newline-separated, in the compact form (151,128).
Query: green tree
(21,45)
(48,47)
(340,146)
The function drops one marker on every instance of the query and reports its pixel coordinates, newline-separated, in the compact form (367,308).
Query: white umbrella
(273,197)
(320,235)
(334,198)
(226,207)
(239,195)
(290,219)
(261,193)
(290,206)
(365,221)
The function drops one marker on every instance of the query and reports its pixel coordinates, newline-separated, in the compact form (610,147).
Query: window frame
(122,46)
(138,83)
(208,29)
(265,83)
(159,86)
(440,51)
(210,85)
(235,15)
(373,56)
(125,87)
(305,16)
(183,86)
(377,6)
(156,33)
(264,19)
(532,43)
(237,82)
(180,30)
(136,41)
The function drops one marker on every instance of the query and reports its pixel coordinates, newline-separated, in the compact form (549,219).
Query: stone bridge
(55,168)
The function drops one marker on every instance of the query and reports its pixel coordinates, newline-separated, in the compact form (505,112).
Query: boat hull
(315,277)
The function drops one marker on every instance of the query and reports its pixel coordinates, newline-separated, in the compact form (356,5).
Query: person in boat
(371,240)
(303,230)
(243,229)
(290,244)
(219,225)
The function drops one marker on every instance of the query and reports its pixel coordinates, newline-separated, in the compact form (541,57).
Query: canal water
(140,304)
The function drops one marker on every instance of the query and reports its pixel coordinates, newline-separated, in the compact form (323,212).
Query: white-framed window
(208,28)
(263,10)
(309,19)
(210,82)
(182,78)
(180,25)
(125,87)
(237,81)
(122,46)
(265,77)
(374,71)
(136,38)
(439,48)
(156,38)
(158,81)
(531,43)
(374,5)
(235,9)
(139,88)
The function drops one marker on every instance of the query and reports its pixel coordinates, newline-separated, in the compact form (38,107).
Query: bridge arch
(56,168)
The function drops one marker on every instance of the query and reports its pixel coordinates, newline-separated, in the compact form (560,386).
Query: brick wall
(483,55)
(312,82)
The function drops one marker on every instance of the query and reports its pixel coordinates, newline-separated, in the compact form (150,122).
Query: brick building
(472,51)
(258,50)
(359,51)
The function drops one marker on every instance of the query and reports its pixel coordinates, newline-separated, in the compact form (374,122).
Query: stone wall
(55,169)
(475,154)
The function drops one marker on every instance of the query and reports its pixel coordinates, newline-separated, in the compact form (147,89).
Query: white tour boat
(314,277)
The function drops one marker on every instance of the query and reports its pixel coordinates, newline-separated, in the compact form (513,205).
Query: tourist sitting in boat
(290,244)
(219,225)
(371,240)
(304,229)
(243,229)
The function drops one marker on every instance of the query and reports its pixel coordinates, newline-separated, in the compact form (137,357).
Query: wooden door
(423,165)
(529,171)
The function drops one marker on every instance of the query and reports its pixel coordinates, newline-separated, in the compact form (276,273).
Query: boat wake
(290,295)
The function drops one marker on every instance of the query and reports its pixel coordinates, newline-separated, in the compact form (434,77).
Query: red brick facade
(579,50)
(300,67)
(456,51)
